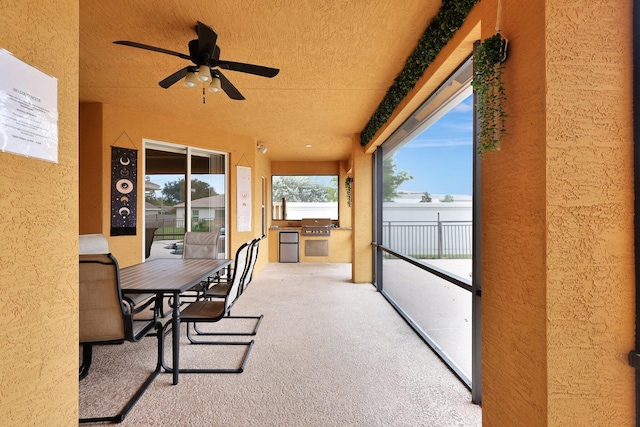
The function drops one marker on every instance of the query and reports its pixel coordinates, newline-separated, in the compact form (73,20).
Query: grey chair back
(200,245)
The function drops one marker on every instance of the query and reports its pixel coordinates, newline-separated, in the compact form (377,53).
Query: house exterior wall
(39,233)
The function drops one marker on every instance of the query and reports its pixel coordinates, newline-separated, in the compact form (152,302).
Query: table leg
(176,336)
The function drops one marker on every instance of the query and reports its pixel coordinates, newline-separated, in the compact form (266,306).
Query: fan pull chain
(203,100)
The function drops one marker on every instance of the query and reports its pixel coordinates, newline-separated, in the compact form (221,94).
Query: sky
(440,159)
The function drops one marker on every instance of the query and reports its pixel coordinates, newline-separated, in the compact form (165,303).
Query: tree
(332,190)
(447,198)
(391,179)
(150,197)
(173,191)
(426,197)
(298,189)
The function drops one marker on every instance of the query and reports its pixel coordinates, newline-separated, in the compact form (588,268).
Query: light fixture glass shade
(204,73)
(190,80)
(214,86)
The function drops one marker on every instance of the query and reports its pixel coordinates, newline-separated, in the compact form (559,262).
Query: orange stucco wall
(557,219)
(589,211)
(39,233)
(91,159)
(361,214)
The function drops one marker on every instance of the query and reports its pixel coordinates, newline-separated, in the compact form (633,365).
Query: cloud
(440,142)
(463,107)
(456,124)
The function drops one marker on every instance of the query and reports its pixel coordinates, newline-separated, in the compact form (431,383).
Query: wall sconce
(262,148)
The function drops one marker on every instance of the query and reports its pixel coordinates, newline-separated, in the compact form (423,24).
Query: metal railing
(167,228)
(429,239)
(172,228)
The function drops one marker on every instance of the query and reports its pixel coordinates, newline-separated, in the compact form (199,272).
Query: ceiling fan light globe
(204,73)
(190,80)
(214,86)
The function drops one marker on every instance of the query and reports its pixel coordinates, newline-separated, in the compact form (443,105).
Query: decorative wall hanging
(124,175)
(243,198)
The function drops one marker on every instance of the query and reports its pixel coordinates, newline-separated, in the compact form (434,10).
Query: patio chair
(211,311)
(98,244)
(248,275)
(105,317)
(220,289)
(199,245)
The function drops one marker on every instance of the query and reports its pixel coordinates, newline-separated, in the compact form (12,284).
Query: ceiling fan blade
(258,70)
(229,88)
(206,41)
(152,48)
(174,77)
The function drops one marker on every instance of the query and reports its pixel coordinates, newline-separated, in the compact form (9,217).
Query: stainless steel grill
(316,227)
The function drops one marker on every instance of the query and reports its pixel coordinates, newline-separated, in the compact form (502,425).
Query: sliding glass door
(185,190)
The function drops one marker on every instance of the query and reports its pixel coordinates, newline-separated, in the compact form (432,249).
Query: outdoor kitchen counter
(339,244)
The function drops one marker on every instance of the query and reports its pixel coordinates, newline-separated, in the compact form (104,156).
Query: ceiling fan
(205,54)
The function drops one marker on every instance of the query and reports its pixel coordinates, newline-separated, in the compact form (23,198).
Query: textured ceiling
(336,59)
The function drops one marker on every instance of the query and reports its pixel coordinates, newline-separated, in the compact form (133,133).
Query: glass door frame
(189,152)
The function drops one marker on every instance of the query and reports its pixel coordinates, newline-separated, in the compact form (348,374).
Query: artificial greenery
(437,34)
(347,186)
(489,88)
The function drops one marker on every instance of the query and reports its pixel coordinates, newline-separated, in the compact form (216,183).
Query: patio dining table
(173,276)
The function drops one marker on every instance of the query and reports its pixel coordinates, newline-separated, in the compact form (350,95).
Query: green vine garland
(488,85)
(437,34)
(347,186)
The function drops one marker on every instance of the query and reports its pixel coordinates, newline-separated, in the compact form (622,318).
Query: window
(184,191)
(304,196)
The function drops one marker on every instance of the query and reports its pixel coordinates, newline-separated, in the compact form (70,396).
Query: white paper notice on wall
(243,175)
(28,110)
